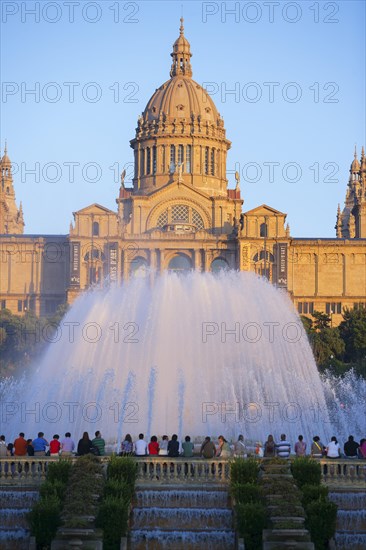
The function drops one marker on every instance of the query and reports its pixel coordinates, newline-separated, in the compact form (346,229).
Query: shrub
(122,468)
(59,471)
(251,519)
(244,470)
(321,522)
(112,518)
(246,492)
(44,520)
(306,471)
(54,488)
(119,489)
(313,492)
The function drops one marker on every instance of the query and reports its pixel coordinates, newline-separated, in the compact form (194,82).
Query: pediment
(94,209)
(264,210)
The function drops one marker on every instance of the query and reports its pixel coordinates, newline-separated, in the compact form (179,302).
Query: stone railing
(340,473)
(180,470)
(33,471)
(343,473)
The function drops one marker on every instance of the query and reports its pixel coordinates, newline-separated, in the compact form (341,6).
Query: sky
(288,78)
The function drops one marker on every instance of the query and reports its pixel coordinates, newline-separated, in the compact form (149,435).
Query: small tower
(11,218)
(351,223)
(338,225)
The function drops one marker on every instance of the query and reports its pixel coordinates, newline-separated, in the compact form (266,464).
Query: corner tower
(180,134)
(351,222)
(11,218)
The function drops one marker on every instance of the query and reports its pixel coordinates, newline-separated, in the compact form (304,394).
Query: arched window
(148,160)
(219,264)
(188,158)
(212,162)
(7,190)
(94,254)
(263,255)
(180,154)
(181,213)
(142,162)
(139,267)
(95,229)
(180,264)
(206,160)
(154,160)
(263,230)
(172,159)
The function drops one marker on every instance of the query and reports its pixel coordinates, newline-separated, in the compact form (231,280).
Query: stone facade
(180,215)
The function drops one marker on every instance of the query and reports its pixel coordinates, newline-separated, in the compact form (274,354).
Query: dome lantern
(181,55)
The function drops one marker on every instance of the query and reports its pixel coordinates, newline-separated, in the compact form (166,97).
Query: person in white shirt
(141,446)
(333,448)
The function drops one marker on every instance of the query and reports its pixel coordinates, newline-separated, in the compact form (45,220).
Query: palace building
(180,215)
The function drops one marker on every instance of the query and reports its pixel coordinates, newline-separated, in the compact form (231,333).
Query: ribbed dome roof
(355,166)
(180,97)
(5,161)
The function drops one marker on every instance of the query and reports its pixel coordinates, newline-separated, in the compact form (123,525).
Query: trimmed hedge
(59,471)
(321,514)
(118,492)
(44,520)
(321,522)
(122,468)
(306,471)
(251,519)
(244,471)
(112,518)
(243,493)
(313,492)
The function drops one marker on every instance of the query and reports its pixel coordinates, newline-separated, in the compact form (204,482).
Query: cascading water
(199,354)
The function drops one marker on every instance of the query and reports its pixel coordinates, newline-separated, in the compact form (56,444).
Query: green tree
(321,320)
(353,332)
(327,346)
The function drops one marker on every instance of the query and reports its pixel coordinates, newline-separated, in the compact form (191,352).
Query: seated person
(351,448)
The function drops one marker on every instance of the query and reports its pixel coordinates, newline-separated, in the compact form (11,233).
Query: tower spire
(363,160)
(181,55)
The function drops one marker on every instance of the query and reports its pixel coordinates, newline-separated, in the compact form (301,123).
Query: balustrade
(33,470)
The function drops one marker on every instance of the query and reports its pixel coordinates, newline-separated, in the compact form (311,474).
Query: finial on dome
(181,28)
(355,155)
(6,148)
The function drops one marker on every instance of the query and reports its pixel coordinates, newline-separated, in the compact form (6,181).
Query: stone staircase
(182,518)
(295,535)
(351,519)
(15,503)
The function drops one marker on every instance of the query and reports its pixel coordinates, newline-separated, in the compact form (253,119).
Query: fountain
(196,354)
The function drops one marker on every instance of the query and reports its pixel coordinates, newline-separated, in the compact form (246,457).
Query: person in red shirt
(55,445)
(20,445)
(153,446)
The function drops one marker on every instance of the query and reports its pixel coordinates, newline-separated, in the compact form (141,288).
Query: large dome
(180,136)
(181,97)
